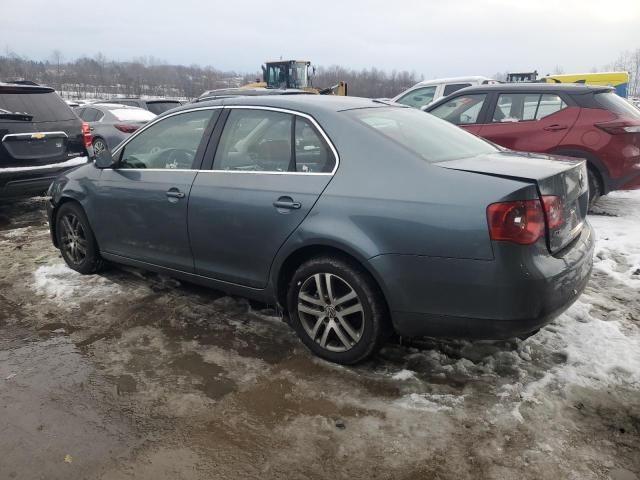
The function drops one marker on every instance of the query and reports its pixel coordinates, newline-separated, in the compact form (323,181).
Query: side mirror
(105,160)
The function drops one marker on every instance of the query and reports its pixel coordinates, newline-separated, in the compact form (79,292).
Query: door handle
(555,128)
(175,193)
(287,203)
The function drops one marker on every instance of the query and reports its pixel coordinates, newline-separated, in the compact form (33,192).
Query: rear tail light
(618,127)
(126,128)
(523,221)
(86,135)
(519,222)
(553,211)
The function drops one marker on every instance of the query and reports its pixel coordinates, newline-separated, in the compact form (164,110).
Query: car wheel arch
(593,162)
(300,255)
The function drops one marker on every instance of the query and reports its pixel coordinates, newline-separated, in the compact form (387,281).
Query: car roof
(110,106)
(304,103)
(574,88)
(452,80)
(8,87)
(239,91)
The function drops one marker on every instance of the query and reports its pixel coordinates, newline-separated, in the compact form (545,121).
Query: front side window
(171,143)
(255,140)
(462,110)
(428,137)
(419,97)
(520,107)
(454,87)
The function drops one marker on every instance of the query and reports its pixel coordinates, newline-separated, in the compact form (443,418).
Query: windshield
(434,140)
(161,107)
(133,114)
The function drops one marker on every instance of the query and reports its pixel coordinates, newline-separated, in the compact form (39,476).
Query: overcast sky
(432,38)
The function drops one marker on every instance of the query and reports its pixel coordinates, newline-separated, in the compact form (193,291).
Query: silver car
(110,124)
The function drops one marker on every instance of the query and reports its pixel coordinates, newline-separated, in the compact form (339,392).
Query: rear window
(44,107)
(616,104)
(133,114)
(161,107)
(434,140)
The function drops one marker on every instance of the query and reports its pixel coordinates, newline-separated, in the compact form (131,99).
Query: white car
(424,93)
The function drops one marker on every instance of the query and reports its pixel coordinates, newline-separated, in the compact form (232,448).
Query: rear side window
(255,141)
(454,87)
(419,97)
(44,107)
(91,115)
(312,153)
(519,107)
(616,104)
(462,110)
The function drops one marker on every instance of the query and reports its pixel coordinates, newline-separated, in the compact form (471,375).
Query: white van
(424,93)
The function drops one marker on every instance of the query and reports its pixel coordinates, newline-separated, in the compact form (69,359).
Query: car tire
(76,240)
(315,309)
(99,146)
(595,188)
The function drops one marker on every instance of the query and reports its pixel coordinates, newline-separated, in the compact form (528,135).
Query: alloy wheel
(331,312)
(74,240)
(99,147)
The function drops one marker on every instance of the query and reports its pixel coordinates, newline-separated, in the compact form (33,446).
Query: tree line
(100,77)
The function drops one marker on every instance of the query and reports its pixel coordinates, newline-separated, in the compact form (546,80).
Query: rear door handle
(555,128)
(175,193)
(287,203)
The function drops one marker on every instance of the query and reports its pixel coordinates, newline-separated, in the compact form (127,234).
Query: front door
(142,203)
(269,169)
(463,110)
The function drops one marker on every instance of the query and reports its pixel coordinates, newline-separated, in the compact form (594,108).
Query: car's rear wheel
(337,309)
(76,240)
(99,146)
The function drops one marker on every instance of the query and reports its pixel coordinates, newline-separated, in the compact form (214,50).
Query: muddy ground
(133,375)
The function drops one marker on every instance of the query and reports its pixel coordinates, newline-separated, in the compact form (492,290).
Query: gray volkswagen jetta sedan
(356,217)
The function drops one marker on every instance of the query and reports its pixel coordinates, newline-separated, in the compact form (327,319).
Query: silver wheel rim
(73,239)
(99,147)
(331,312)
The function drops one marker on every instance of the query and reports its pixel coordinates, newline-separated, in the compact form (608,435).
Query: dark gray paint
(419,229)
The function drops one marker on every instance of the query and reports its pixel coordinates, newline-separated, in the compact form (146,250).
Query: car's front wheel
(76,240)
(337,309)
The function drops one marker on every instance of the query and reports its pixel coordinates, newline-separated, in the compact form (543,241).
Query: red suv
(562,119)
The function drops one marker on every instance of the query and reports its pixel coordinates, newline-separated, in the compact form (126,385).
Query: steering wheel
(179,157)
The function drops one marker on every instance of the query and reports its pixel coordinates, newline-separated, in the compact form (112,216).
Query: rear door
(529,122)
(269,168)
(142,203)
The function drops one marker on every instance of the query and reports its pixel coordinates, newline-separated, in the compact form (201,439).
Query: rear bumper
(515,294)
(26,183)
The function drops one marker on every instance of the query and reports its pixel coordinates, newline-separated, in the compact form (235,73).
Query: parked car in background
(581,121)
(40,137)
(110,123)
(264,197)
(154,105)
(426,92)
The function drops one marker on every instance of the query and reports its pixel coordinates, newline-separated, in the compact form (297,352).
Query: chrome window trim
(30,135)
(117,150)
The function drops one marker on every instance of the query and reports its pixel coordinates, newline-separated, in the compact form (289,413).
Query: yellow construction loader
(296,74)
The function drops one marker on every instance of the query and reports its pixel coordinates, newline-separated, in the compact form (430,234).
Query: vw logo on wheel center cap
(330,311)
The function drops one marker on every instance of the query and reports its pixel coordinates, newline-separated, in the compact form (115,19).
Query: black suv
(40,137)
(154,105)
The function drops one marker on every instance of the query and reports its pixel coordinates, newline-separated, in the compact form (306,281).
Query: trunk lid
(554,176)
